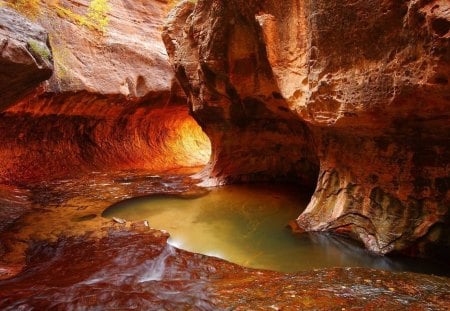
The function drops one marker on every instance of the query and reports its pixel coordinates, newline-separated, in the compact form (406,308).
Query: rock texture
(222,66)
(46,137)
(25,56)
(359,89)
(104,47)
(111,104)
(126,266)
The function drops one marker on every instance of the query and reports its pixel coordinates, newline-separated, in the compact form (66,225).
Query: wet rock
(84,217)
(25,56)
(137,270)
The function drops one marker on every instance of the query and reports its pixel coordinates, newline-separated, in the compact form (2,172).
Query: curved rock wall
(358,88)
(47,137)
(112,102)
(220,61)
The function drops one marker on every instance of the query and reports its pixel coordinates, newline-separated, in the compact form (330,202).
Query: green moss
(39,49)
(61,56)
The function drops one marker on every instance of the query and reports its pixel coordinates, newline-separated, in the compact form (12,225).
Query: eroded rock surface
(104,47)
(47,136)
(62,254)
(111,103)
(220,61)
(25,56)
(149,274)
(358,89)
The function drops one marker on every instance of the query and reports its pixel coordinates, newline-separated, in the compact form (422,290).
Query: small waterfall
(155,268)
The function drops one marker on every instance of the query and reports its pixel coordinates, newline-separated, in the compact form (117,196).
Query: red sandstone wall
(367,81)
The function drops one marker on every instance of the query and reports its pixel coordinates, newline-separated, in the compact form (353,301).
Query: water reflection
(247,225)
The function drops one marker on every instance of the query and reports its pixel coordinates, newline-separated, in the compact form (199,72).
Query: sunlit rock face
(25,56)
(358,88)
(106,47)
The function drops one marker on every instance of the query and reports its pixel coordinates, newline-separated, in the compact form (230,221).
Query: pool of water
(247,225)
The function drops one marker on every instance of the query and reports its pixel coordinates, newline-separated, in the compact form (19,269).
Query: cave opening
(175,141)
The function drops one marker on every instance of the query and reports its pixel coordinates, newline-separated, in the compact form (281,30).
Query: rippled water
(247,225)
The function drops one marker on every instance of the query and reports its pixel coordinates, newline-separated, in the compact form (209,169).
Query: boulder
(25,56)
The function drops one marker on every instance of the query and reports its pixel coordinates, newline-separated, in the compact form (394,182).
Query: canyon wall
(103,46)
(112,102)
(48,137)
(220,61)
(351,98)
(358,89)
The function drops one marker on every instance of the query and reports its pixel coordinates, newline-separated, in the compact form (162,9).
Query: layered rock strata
(112,102)
(358,89)
(49,136)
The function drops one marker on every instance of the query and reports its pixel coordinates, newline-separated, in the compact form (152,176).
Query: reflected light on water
(247,225)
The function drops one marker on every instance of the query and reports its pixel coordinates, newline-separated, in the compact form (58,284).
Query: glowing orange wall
(51,136)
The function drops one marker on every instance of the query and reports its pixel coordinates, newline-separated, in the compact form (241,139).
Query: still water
(247,225)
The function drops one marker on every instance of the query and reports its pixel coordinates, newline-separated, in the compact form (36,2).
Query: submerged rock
(25,56)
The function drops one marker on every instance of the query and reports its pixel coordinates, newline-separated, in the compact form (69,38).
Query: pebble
(119,220)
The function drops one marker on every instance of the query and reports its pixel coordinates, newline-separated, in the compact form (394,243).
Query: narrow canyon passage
(364,107)
(224,155)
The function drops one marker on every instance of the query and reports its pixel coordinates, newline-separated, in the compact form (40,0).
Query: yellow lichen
(96,18)
(69,15)
(98,14)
